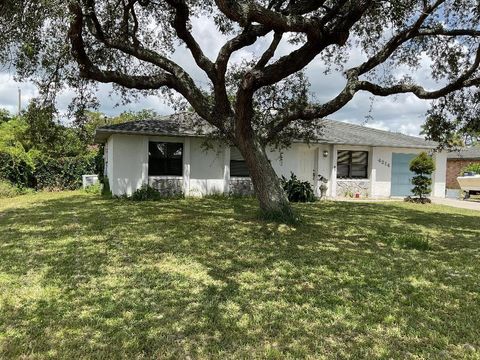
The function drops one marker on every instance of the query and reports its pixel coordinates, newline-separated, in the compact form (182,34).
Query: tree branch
(395,42)
(93,72)
(312,112)
(448,32)
(244,13)
(171,76)
(247,37)
(417,90)
(137,50)
(179,23)
(354,85)
(298,59)
(270,52)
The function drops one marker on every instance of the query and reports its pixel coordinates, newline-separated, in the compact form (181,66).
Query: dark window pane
(238,168)
(342,171)
(359,171)
(359,157)
(343,157)
(165,159)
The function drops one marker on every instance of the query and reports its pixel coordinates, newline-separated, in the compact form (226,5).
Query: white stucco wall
(207,171)
(381,171)
(109,157)
(127,167)
(129,163)
(299,159)
(440,175)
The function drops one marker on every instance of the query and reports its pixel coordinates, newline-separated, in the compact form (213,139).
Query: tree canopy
(130,43)
(263,100)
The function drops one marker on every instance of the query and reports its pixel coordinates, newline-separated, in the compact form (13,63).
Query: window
(165,159)
(352,164)
(238,168)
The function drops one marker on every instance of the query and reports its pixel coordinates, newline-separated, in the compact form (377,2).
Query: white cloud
(9,92)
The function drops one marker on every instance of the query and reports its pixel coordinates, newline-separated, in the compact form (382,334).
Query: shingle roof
(332,132)
(337,132)
(465,153)
(182,124)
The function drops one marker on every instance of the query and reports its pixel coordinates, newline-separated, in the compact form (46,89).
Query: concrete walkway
(462,204)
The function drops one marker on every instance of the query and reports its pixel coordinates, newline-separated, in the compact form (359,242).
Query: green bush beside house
(46,173)
(297,190)
(423,166)
(473,168)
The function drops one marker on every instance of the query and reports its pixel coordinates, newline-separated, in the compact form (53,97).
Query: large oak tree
(264,101)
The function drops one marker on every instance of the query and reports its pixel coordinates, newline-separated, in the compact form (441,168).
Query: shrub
(17,168)
(473,167)
(146,193)
(63,173)
(105,187)
(297,191)
(423,167)
(7,190)
(99,162)
(95,189)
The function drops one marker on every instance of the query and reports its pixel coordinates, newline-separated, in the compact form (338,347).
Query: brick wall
(454,166)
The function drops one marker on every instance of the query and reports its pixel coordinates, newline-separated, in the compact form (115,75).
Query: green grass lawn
(83,277)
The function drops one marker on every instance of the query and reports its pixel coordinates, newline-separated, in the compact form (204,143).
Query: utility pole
(19,101)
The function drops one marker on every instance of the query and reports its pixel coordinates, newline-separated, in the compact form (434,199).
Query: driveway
(462,204)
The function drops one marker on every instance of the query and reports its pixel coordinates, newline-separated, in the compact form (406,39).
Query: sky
(402,113)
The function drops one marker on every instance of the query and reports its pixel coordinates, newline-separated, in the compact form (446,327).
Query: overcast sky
(404,113)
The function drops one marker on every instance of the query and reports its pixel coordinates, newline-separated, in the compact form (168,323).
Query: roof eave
(102,135)
(467,158)
(413,146)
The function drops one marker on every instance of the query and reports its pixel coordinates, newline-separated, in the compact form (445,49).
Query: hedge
(16,169)
(47,173)
(63,173)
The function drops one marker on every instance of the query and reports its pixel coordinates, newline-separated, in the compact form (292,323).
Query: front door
(401,175)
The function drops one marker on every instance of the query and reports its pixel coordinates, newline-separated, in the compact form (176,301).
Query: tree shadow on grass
(88,277)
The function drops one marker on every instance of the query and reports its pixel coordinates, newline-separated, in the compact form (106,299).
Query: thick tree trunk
(268,190)
(267,186)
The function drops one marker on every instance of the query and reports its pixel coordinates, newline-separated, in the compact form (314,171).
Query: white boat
(470,184)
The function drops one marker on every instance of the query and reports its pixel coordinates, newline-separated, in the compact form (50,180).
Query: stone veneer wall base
(348,188)
(241,187)
(167,187)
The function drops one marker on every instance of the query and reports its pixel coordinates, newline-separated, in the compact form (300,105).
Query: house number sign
(383,162)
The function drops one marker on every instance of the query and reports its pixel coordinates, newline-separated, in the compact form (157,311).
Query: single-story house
(168,153)
(456,161)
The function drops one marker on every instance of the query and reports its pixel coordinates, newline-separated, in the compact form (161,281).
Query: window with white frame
(165,159)
(352,164)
